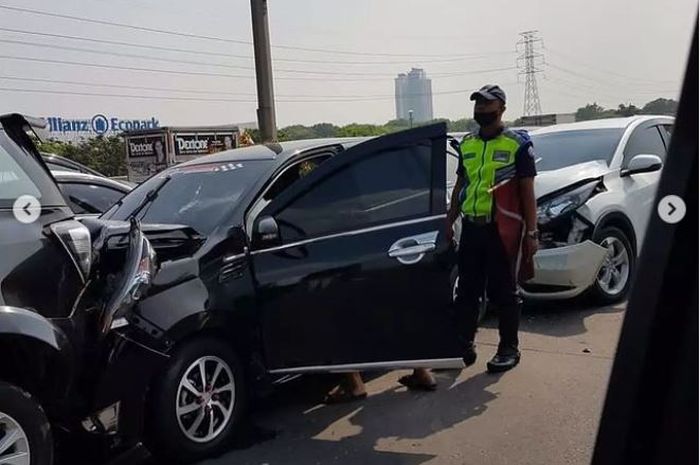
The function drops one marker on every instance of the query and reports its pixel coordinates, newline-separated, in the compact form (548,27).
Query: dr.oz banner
(146,155)
(203,143)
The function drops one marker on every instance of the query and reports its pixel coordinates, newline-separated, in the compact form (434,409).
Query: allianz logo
(99,124)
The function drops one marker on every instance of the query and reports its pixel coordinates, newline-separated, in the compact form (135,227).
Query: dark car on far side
(312,256)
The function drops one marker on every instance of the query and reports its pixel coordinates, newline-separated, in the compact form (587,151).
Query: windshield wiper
(150,196)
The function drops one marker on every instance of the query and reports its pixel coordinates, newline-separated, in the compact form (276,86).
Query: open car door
(352,264)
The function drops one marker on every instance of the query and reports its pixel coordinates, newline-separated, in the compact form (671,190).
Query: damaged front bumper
(564,272)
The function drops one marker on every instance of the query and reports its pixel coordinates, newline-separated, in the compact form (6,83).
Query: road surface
(546,411)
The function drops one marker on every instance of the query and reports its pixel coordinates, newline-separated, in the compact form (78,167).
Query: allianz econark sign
(98,125)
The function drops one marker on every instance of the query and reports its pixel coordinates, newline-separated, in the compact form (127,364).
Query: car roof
(607,123)
(58,159)
(73,176)
(278,152)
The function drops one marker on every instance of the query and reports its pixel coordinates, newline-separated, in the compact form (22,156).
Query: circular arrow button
(671,209)
(26,209)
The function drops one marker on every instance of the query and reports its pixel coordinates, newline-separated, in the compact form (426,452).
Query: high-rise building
(414,93)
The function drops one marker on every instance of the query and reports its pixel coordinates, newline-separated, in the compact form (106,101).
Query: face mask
(485,118)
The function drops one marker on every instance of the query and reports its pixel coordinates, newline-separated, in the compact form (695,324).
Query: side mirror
(267,231)
(642,164)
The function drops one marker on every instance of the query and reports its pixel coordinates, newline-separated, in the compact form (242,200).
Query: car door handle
(411,250)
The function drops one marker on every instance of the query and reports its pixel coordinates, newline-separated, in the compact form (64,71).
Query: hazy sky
(607,51)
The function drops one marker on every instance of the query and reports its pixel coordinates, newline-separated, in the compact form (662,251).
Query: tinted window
(89,198)
(645,141)
(14,181)
(57,167)
(196,195)
(386,187)
(567,148)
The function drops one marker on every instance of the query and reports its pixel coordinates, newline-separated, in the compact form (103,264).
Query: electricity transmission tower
(528,62)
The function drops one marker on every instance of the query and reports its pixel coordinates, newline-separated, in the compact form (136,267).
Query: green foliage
(590,111)
(104,154)
(357,130)
(661,106)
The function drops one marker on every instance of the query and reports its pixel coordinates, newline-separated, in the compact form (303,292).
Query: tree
(590,111)
(325,130)
(295,132)
(462,125)
(358,130)
(104,154)
(627,110)
(660,106)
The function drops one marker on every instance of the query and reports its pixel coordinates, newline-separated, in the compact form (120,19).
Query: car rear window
(567,148)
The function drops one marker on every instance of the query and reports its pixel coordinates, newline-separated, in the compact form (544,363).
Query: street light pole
(410,118)
(263,71)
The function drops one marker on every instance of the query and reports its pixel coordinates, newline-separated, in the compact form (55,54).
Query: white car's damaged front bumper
(564,272)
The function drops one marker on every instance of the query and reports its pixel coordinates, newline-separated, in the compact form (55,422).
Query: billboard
(146,155)
(203,143)
(151,151)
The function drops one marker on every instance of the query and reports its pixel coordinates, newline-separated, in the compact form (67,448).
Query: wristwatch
(534,234)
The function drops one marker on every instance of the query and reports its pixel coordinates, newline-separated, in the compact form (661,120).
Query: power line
(234,76)
(213,38)
(248,57)
(602,71)
(200,63)
(219,92)
(316,99)
(596,80)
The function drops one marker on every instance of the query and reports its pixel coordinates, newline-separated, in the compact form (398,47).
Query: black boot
(503,361)
(469,355)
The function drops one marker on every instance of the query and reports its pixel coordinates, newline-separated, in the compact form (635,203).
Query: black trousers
(484,265)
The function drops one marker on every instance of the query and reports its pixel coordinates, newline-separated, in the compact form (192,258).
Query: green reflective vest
(486,163)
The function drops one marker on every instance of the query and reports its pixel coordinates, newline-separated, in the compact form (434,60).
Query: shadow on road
(361,432)
(561,318)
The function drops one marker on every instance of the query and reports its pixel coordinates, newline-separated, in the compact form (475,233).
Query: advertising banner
(146,155)
(203,143)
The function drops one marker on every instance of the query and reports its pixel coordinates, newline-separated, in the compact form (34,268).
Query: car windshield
(196,195)
(567,148)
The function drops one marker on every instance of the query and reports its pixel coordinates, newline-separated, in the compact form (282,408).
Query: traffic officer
(495,197)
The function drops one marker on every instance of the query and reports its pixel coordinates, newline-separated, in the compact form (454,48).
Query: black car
(58,163)
(87,194)
(63,288)
(301,257)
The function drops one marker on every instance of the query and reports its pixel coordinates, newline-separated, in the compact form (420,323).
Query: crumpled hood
(550,181)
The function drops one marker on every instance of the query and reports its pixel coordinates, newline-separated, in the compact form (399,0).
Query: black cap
(489,92)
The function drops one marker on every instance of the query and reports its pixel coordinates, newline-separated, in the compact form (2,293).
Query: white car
(595,190)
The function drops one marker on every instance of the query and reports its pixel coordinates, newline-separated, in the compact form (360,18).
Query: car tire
(179,427)
(483,303)
(22,416)
(622,258)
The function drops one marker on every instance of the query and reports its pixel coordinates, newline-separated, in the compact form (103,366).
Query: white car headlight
(565,202)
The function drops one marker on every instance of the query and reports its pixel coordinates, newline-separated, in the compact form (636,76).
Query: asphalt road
(545,411)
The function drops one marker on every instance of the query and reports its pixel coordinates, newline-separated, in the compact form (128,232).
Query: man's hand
(531,246)
(451,218)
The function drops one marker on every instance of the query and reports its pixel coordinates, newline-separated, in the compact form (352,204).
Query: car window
(567,148)
(198,196)
(384,187)
(89,198)
(14,181)
(293,174)
(645,141)
(59,167)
